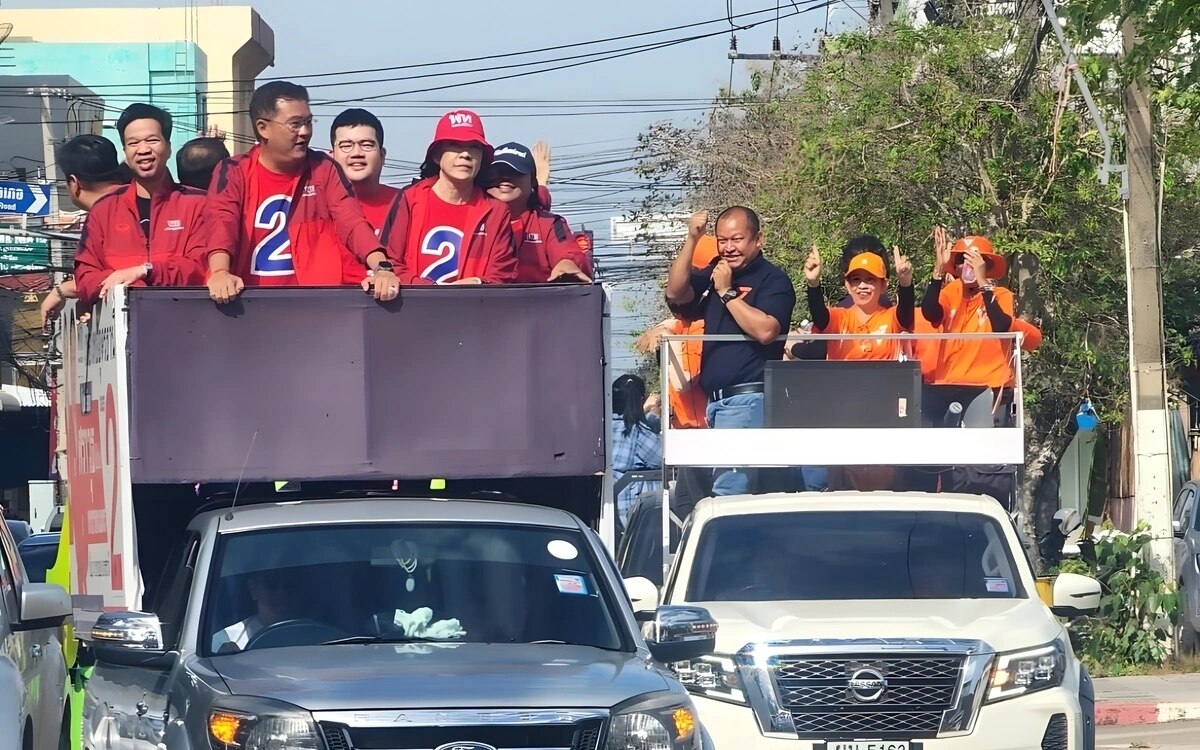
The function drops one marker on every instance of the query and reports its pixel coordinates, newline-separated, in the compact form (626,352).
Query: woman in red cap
(970,370)
(445,228)
(546,248)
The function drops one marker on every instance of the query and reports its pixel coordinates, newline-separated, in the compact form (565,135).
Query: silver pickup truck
(392,623)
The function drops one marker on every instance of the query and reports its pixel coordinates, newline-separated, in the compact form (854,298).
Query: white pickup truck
(877,621)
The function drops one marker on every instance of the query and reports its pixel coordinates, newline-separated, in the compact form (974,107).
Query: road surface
(1175,735)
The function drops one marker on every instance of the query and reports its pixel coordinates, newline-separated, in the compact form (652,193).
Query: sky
(588,113)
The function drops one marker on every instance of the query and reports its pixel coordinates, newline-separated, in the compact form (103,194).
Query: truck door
(128,706)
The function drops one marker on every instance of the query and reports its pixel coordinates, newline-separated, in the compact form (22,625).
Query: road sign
(24,198)
(24,255)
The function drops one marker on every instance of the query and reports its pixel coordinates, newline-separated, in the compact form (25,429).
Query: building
(38,112)
(198,63)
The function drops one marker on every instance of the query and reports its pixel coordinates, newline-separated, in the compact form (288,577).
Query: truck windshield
(843,555)
(405,583)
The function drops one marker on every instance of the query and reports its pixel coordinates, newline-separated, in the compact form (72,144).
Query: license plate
(869,745)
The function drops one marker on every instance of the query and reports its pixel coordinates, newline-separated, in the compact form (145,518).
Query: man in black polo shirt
(740,293)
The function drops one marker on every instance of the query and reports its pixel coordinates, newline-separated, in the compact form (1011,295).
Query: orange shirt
(973,361)
(688,406)
(852,320)
(928,351)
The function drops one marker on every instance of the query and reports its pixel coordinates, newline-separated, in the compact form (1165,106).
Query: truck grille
(876,696)
(584,735)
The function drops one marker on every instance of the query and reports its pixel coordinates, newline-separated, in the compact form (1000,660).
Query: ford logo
(866,685)
(465,745)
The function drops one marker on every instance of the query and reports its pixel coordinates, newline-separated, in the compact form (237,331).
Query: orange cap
(869,262)
(997,266)
(705,252)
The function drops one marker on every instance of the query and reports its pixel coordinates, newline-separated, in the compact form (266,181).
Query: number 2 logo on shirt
(444,243)
(273,254)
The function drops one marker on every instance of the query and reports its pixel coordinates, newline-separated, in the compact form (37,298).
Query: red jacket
(112,239)
(325,218)
(489,255)
(544,240)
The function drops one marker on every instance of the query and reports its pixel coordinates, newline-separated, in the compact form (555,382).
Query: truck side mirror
(1075,595)
(1177,528)
(681,633)
(130,639)
(43,605)
(643,594)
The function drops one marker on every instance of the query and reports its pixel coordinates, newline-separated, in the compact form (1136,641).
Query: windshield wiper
(386,639)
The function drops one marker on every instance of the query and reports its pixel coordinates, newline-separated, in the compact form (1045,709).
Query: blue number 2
(444,244)
(273,255)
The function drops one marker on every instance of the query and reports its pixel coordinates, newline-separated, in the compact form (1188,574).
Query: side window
(669,590)
(1184,505)
(171,602)
(8,585)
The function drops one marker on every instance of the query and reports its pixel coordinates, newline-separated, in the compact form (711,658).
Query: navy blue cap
(516,156)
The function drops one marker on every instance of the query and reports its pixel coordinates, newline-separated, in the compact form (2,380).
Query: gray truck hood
(416,676)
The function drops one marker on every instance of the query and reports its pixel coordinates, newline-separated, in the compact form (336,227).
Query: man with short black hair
(356,142)
(92,171)
(741,292)
(195,162)
(148,232)
(282,214)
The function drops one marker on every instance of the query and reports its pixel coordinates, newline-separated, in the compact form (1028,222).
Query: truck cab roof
(851,501)
(259,514)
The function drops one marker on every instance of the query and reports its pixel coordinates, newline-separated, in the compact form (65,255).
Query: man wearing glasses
(356,137)
(283,214)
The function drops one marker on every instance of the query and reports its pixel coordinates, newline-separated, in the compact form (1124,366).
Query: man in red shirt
(282,214)
(446,229)
(149,232)
(356,138)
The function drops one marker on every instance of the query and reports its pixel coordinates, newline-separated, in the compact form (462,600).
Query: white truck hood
(1004,624)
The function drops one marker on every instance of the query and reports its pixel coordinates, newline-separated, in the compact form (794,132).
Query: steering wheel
(303,632)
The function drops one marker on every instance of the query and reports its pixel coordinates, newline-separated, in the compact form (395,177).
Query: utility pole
(57,259)
(1147,358)
(887,13)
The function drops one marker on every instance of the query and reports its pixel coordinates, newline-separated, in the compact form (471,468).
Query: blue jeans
(735,413)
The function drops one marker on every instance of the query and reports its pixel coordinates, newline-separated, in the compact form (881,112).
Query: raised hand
(698,224)
(904,269)
(812,267)
(941,249)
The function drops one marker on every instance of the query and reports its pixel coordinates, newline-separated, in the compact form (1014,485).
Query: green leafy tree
(973,126)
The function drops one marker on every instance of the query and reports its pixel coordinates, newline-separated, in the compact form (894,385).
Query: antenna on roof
(238,488)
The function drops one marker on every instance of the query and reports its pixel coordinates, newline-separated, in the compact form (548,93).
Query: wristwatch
(729,295)
(385,265)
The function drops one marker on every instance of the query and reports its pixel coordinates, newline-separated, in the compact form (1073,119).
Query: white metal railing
(844,446)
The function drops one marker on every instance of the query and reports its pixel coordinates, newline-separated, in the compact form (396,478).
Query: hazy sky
(586,113)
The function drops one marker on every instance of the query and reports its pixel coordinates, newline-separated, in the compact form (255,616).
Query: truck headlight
(261,724)
(713,676)
(1020,672)
(659,721)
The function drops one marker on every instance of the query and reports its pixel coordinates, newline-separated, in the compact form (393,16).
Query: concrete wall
(226,47)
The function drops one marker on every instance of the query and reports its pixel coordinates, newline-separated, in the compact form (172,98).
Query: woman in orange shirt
(970,370)
(866,281)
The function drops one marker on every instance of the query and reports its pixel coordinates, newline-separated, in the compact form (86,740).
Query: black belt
(740,389)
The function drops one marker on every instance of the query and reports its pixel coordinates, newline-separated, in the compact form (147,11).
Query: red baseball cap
(464,126)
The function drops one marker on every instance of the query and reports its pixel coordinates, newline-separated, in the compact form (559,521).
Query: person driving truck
(277,594)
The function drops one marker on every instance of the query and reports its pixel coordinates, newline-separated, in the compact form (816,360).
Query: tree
(893,133)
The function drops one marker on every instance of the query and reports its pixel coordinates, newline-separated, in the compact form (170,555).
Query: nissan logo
(867,685)
(467,745)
